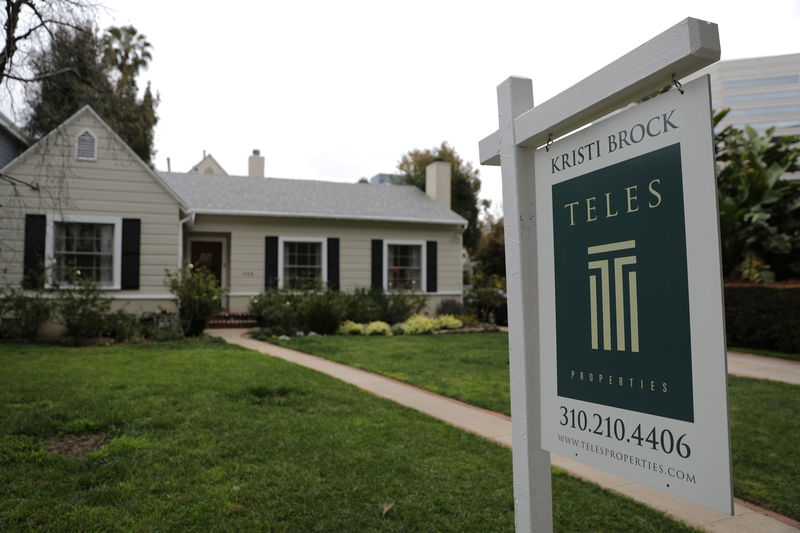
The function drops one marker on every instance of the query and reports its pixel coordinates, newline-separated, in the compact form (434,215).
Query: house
(12,140)
(97,208)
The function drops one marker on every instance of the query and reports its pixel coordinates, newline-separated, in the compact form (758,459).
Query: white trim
(94,146)
(244,294)
(423,263)
(49,244)
(323,250)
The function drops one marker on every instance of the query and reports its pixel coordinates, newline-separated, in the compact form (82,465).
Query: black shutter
(333,264)
(271,263)
(33,255)
(131,240)
(430,267)
(377,264)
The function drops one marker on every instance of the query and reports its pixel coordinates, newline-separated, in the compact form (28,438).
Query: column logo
(600,311)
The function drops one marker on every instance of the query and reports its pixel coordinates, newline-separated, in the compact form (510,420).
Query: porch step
(233,320)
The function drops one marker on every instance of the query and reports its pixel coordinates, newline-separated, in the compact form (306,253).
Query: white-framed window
(86,146)
(405,265)
(302,262)
(84,247)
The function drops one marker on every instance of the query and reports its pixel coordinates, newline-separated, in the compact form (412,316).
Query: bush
(121,326)
(402,305)
(278,311)
(450,307)
(199,297)
(449,322)
(366,305)
(378,328)
(468,320)
(323,311)
(83,309)
(160,326)
(21,314)
(486,296)
(349,327)
(419,325)
(763,317)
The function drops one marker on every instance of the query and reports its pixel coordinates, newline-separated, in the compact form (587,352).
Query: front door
(209,255)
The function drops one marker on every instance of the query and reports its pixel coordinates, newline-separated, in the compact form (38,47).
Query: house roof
(241,195)
(7,124)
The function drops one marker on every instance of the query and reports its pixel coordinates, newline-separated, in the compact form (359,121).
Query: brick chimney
(255,165)
(437,182)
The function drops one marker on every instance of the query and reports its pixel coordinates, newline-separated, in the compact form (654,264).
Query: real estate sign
(633,369)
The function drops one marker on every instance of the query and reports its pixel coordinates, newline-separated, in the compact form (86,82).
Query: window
(771,110)
(85,248)
(758,97)
(86,146)
(84,251)
(759,82)
(404,267)
(302,263)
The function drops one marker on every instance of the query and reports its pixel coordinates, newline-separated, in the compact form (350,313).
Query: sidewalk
(497,427)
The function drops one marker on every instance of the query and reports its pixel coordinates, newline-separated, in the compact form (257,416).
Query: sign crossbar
(679,51)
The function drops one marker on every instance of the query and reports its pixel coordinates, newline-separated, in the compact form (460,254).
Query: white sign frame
(674,54)
(705,475)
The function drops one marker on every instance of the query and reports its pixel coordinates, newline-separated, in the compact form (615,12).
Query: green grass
(472,368)
(210,437)
(765,428)
(765,432)
(768,353)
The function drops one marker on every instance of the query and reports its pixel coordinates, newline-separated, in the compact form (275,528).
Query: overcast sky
(339,90)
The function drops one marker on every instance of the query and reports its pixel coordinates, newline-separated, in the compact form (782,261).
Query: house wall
(115,185)
(246,250)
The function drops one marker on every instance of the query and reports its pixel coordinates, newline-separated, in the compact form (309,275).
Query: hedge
(763,316)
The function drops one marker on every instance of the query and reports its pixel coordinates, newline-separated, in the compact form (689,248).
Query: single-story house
(81,202)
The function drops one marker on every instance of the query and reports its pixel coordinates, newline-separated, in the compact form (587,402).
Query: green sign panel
(622,298)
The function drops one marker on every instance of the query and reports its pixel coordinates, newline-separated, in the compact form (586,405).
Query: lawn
(202,436)
(765,428)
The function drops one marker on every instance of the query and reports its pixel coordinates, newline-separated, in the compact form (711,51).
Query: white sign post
(529,203)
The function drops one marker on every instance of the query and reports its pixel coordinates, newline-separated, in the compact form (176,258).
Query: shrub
(449,322)
(487,294)
(418,325)
(763,317)
(323,311)
(21,314)
(82,309)
(199,297)
(402,305)
(278,311)
(121,326)
(378,328)
(450,307)
(468,320)
(349,327)
(160,325)
(366,305)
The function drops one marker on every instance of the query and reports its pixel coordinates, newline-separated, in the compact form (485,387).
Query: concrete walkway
(497,427)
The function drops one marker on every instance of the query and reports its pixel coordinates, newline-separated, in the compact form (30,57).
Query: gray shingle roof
(240,195)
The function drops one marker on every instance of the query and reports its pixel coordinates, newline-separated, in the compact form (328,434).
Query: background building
(761,92)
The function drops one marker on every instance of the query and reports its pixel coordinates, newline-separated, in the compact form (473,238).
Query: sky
(341,90)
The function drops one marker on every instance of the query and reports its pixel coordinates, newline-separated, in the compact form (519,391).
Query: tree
(98,71)
(490,254)
(27,25)
(759,211)
(465,185)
